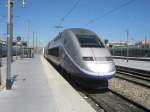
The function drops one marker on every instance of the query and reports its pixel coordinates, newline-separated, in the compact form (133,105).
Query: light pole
(1,63)
(127,45)
(36,44)
(33,44)
(9,41)
(28,31)
(28,37)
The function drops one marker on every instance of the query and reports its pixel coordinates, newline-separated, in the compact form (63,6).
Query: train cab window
(89,41)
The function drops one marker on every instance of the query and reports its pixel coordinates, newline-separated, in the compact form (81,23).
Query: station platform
(38,87)
(143,65)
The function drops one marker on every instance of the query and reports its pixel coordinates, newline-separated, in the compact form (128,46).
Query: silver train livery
(82,54)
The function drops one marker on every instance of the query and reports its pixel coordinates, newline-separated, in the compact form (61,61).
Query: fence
(133,52)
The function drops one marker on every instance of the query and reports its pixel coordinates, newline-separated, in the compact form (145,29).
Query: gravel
(133,91)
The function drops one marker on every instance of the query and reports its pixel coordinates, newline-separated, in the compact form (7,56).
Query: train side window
(49,51)
(54,51)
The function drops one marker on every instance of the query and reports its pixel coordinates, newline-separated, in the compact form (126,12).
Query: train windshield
(89,41)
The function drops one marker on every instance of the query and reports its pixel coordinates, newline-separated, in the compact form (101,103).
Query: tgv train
(82,54)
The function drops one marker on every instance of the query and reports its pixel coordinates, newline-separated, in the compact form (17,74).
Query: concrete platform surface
(38,87)
(144,65)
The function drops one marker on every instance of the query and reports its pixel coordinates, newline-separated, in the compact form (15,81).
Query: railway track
(111,101)
(105,100)
(140,77)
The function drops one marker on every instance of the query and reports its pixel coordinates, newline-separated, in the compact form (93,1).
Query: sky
(43,15)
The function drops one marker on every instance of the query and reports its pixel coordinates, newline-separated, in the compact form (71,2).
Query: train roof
(80,31)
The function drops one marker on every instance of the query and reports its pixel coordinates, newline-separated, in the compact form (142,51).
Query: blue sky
(45,14)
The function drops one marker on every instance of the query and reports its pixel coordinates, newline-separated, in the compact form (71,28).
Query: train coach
(81,53)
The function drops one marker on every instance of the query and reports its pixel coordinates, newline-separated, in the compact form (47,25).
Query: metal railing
(132,52)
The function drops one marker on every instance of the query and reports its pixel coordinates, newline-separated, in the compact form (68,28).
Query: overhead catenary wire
(111,11)
(69,12)
(65,16)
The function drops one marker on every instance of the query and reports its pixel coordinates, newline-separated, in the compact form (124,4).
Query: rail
(140,77)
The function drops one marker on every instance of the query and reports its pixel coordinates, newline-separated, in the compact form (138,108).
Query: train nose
(102,69)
